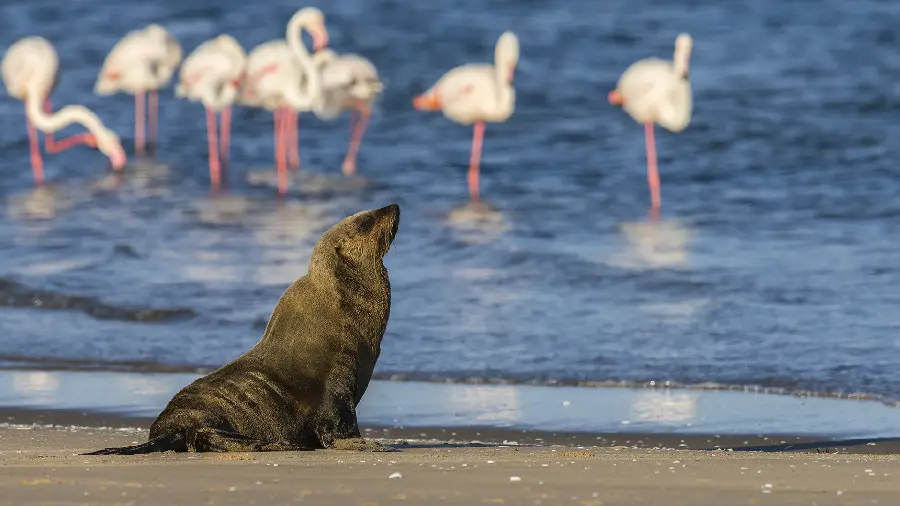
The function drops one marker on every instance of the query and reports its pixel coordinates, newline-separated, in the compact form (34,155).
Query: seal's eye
(365,225)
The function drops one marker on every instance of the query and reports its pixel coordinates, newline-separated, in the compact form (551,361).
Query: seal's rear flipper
(204,440)
(173,442)
(217,440)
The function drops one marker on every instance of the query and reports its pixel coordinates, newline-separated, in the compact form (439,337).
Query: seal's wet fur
(298,388)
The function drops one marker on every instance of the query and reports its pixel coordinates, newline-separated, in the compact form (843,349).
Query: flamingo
(657,91)
(349,82)
(212,75)
(476,93)
(281,78)
(142,62)
(30,72)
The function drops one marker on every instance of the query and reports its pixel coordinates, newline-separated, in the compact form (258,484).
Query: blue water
(774,262)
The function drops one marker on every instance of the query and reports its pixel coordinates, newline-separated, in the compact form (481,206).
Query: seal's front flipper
(170,442)
(216,440)
(336,420)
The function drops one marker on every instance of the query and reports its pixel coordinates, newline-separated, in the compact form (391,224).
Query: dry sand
(40,465)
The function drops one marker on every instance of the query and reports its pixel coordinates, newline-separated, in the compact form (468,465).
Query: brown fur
(298,388)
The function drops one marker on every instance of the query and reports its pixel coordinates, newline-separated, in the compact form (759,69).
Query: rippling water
(774,262)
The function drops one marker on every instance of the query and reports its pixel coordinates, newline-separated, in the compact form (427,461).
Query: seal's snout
(390,215)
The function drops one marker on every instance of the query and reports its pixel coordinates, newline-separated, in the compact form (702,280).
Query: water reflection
(680,312)
(146,175)
(40,203)
(35,387)
(224,209)
(287,236)
(485,296)
(489,404)
(307,183)
(665,407)
(146,386)
(654,245)
(477,223)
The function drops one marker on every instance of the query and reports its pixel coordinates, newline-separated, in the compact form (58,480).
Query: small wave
(31,363)
(13,294)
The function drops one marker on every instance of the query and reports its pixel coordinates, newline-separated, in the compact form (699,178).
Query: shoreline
(565,410)
(39,419)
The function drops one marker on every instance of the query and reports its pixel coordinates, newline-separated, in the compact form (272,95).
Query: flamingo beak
(320,39)
(117,160)
(616,98)
(428,102)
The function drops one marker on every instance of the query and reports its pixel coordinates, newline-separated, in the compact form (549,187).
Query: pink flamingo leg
(214,169)
(475,162)
(652,172)
(37,164)
(139,141)
(281,129)
(358,126)
(276,115)
(54,146)
(293,132)
(226,135)
(153,107)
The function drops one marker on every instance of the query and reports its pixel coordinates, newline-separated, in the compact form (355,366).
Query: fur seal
(298,388)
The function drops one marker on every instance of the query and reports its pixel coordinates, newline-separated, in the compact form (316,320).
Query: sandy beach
(40,464)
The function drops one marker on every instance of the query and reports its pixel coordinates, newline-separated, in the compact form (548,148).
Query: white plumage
(654,91)
(475,94)
(30,72)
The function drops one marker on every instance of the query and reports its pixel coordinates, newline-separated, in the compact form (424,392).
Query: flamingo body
(350,82)
(282,77)
(274,78)
(475,94)
(30,67)
(654,91)
(276,81)
(347,80)
(142,62)
(30,73)
(212,75)
(471,93)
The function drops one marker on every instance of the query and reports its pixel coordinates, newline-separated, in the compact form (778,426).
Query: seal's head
(359,241)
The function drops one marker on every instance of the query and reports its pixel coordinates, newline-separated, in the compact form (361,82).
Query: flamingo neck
(681,62)
(49,123)
(314,86)
(506,56)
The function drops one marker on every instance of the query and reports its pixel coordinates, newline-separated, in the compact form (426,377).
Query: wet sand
(40,465)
